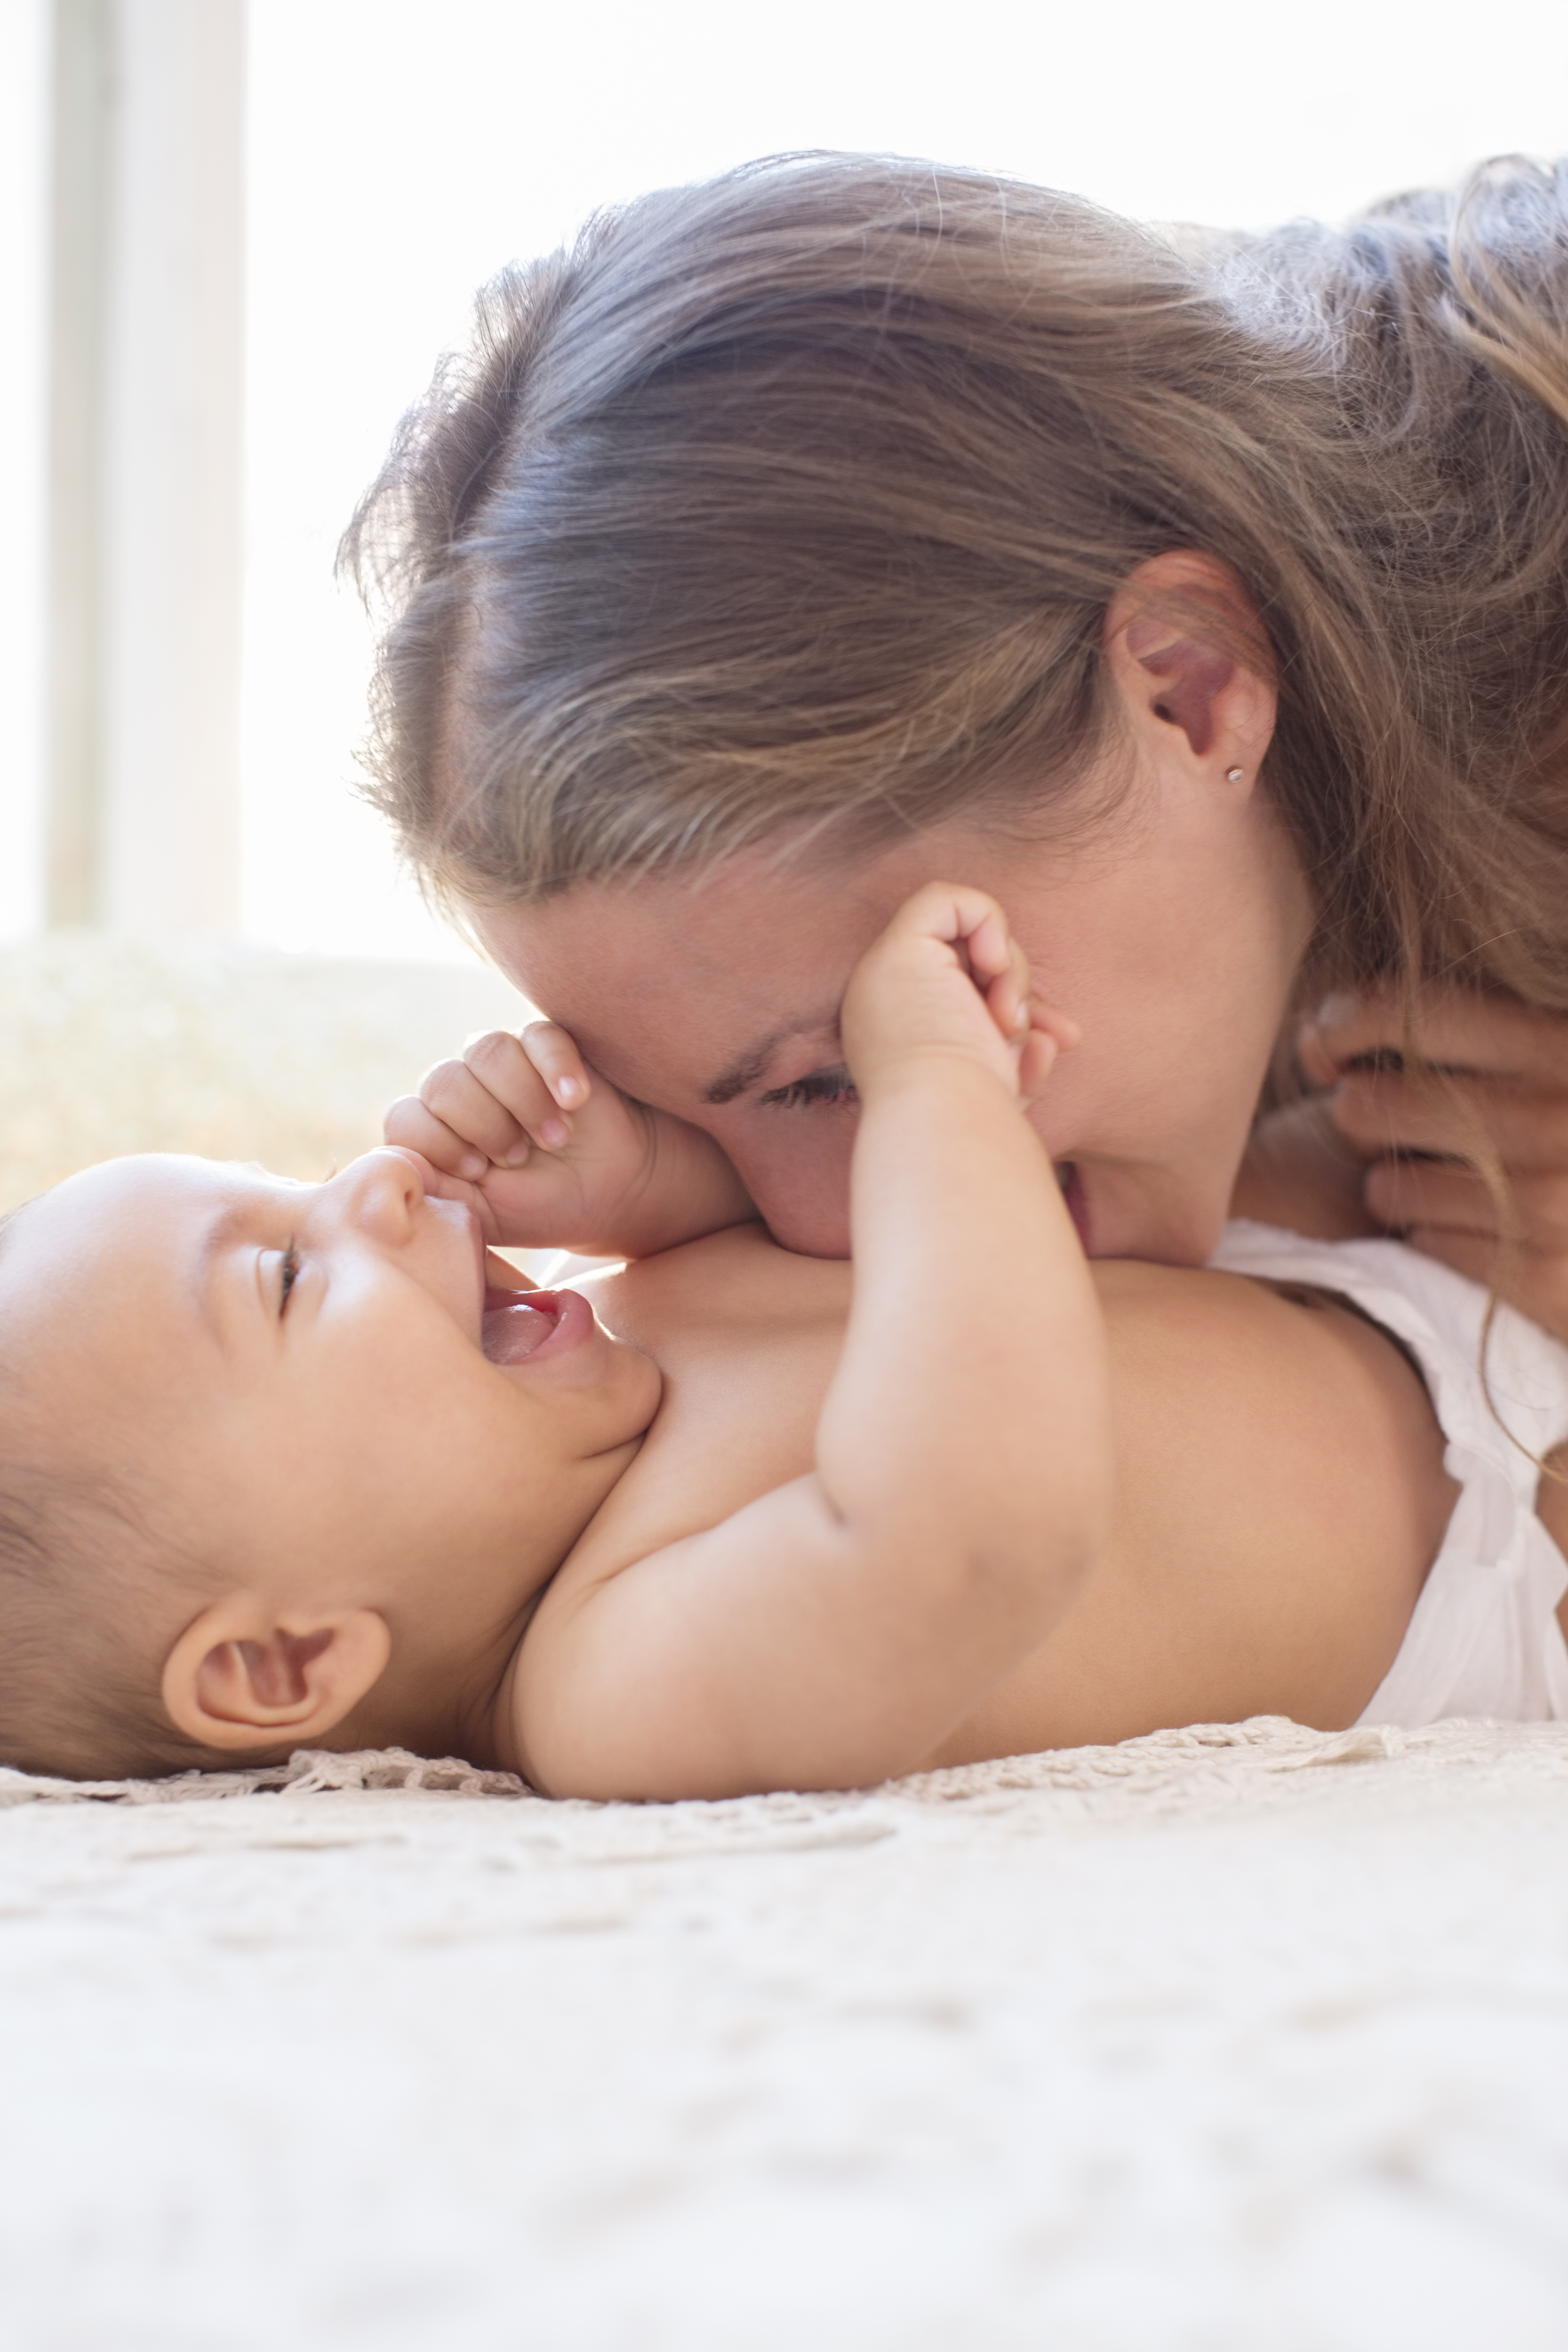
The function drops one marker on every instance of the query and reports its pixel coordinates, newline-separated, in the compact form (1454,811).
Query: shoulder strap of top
(1442,1318)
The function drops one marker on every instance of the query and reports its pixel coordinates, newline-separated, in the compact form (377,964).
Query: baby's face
(299,1373)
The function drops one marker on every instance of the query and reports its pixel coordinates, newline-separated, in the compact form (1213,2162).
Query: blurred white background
(400,151)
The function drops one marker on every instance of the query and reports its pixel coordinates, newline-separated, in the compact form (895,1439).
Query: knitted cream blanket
(1239,2039)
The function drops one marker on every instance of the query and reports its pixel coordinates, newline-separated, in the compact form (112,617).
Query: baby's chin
(600,1392)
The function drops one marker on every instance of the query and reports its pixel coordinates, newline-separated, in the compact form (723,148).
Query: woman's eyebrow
(748,1069)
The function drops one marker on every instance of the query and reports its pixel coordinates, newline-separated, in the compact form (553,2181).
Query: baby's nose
(384,1190)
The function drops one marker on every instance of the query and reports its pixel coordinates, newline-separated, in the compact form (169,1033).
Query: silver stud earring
(1234,775)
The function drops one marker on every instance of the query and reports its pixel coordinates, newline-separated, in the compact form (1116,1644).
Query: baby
(290,1466)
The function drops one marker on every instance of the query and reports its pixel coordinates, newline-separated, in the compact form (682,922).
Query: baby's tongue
(513,1331)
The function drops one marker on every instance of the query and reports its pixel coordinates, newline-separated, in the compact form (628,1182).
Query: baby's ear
(238,1678)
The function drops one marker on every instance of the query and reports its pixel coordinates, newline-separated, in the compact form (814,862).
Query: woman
(845,523)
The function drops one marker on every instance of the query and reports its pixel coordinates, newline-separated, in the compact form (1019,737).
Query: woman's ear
(1190,658)
(238,1679)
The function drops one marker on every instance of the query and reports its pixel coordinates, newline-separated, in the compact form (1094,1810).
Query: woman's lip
(571,1322)
(1077,1200)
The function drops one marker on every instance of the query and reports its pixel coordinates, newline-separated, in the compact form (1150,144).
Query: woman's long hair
(795,500)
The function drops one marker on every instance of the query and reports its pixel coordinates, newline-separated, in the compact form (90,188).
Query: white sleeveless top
(1484,1639)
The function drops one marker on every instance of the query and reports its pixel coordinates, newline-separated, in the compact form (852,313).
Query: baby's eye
(288,1277)
(817,1086)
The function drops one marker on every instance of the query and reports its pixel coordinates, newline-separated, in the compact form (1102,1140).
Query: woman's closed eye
(835,1086)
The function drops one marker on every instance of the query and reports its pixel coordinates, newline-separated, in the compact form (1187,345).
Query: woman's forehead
(745,922)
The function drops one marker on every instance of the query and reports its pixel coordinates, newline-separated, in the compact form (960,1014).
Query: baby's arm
(833,1632)
(557,1158)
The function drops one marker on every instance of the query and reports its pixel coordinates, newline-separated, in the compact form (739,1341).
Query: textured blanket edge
(1266,1743)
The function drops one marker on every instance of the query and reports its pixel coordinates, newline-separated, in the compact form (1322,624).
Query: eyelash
(289,1277)
(820,1087)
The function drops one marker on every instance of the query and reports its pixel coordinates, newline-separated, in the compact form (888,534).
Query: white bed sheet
(1243,2038)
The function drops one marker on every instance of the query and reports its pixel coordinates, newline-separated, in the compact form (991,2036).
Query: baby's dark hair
(88,1573)
(80,1590)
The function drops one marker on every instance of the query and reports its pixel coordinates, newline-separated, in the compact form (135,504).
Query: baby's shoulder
(727,1281)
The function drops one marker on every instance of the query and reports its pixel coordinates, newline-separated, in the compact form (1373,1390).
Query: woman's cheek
(795,1165)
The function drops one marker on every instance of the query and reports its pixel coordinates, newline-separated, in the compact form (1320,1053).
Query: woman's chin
(1145,1213)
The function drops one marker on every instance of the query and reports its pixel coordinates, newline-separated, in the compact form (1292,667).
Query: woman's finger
(1403,1193)
(1384,1110)
(1455,1027)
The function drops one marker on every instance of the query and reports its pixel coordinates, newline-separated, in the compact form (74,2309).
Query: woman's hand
(1503,1074)
(558,1158)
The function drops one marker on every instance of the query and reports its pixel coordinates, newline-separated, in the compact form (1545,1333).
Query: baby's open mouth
(516,1322)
